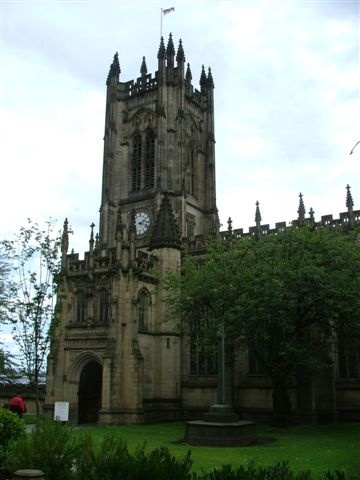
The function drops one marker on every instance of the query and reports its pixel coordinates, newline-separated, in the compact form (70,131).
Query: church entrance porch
(89,394)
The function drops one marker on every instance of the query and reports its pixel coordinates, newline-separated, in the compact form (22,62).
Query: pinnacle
(188,75)
(170,50)
(165,232)
(143,68)
(257,214)
(115,70)
(301,209)
(203,78)
(210,81)
(349,199)
(162,51)
(180,57)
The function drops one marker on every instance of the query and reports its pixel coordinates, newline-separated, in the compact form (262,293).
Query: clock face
(142,222)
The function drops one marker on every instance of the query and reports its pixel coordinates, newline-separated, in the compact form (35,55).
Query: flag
(168,10)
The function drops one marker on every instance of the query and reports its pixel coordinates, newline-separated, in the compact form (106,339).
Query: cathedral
(114,357)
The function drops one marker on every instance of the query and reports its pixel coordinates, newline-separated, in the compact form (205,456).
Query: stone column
(106,381)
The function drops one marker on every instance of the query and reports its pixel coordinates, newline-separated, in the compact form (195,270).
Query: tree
(6,359)
(284,296)
(34,258)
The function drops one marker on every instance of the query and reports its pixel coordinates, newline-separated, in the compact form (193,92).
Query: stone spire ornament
(203,79)
(64,243)
(350,205)
(210,80)
(165,232)
(180,56)
(301,210)
(162,52)
(114,72)
(170,51)
(92,241)
(188,75)
(143,68)
(257,215)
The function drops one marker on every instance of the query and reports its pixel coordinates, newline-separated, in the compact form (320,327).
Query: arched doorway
(89,396)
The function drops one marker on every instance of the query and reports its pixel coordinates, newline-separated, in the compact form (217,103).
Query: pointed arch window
(144,306)
(150,159)
(254,366)
(203,359)
(136,162)
(348,356)
(192,171)
(80,310)
(104,307)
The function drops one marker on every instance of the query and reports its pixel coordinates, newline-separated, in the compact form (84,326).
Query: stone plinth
(220,427)
(28,473)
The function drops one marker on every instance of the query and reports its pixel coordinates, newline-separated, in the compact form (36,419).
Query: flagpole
(161,15)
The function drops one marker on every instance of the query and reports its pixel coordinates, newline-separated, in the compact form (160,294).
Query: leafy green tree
(33,255)
(285,296)
(6,359)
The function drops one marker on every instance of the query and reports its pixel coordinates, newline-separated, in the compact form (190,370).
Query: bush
(160,464)
(278,471)
(51,449)
(48,448)
(11,427)
(102,460)
(109,459)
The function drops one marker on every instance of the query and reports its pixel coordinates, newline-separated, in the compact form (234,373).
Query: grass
(317,448)
(29,418)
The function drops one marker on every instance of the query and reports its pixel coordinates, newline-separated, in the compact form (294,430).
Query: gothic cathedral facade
(115,359)
(116,356)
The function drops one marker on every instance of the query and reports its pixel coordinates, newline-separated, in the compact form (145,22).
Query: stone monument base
(220,427)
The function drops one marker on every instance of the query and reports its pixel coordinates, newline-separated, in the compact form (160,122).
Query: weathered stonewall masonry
(115,359)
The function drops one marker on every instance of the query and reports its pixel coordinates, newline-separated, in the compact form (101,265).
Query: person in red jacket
(17,405)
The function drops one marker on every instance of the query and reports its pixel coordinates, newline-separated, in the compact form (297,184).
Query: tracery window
(348,357)
(150,159)
(80,310)
(190,225)
(203,358)
(192,172)
(104,306)
(136,162)
(254,368)
(144,306)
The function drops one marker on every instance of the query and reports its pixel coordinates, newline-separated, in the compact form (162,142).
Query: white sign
(61,412)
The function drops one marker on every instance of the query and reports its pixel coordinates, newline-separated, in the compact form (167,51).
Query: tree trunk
(37,399)
(281,404)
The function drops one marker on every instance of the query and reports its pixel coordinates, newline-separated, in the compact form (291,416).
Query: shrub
(109,459)
(48,448)
(278,471)
(11,427)
(102,460)
(160,464)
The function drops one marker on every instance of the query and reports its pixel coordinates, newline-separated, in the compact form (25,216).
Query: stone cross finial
(91,241)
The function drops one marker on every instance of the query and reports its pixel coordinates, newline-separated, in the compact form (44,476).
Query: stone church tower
(114,358)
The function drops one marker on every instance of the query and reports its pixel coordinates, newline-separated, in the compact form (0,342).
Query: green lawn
(316,448)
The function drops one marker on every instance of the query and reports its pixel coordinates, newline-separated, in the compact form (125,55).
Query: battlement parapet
(81,331)
(147,83)
(197,244)
(100,259)
(345,220)
(145,262)
(138,87)
(103,259)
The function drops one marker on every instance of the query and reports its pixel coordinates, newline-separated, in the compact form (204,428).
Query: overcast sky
(287,111)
